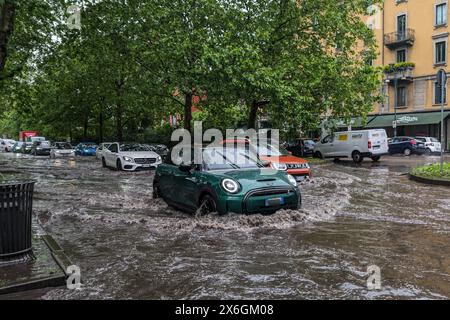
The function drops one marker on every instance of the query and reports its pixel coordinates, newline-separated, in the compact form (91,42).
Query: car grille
(145,160)
(297,166)
(269,192)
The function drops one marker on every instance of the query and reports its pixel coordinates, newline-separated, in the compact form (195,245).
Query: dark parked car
(406,146)
(160,149)
(17,148)
(26,147)
(300,147)
(41,148)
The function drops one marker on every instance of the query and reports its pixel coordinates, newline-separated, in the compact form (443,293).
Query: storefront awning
(410,119)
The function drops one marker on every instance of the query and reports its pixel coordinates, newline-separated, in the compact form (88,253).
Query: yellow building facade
(413,37)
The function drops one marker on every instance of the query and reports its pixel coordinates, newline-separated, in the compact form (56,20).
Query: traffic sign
(394,124)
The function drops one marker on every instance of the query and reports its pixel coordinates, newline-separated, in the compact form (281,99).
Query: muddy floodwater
(129,246)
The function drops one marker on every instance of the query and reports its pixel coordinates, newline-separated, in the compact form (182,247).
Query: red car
(279,159)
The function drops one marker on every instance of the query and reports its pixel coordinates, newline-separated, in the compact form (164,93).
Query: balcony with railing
(401,72)
(397,39)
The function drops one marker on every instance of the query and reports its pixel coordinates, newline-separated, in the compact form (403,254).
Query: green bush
(395,67)
(433,171)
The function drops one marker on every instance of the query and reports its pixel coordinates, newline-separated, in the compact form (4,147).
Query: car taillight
(369,144)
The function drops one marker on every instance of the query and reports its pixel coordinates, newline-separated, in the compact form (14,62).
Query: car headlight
(158,159)
(292,180)
(279,166)
(128,159)
(230,186)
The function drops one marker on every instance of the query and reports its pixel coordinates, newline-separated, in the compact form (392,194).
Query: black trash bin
(16,206)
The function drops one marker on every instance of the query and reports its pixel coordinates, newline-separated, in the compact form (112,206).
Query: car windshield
(147,147)
(44,144)
(88,145)
(230,158)
(63,146)
(421,139)
(270,151)
(133,148)
(434,140)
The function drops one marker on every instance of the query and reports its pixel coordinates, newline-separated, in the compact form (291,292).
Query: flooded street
(129,246)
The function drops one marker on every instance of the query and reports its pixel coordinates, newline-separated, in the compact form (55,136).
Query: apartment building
(413,37)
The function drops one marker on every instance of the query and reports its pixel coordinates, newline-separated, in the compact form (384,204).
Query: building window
(401,27)
(441,14)
(438,94)
(401,97)
(401,55)
(440,52)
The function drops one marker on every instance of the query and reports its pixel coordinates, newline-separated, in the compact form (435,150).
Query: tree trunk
(85,127)
(252,115)
(119,121)
(188,111)
(7,15)
(100,126)
(119,111)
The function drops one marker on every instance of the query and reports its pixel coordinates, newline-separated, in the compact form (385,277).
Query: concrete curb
(432,181)
(57,257)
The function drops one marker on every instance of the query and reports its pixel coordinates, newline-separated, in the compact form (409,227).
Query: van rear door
(378,139)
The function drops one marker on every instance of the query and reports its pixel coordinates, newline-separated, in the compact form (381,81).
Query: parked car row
(373,144)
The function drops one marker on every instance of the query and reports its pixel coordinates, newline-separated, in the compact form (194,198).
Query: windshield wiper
(252,160)
(234,166)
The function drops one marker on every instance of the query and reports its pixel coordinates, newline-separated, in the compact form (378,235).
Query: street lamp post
(395,105)
(385,93)
(442,83)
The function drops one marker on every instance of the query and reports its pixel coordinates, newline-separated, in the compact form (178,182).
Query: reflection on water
(130,246)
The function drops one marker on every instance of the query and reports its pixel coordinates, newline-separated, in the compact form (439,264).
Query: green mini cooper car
(227,181)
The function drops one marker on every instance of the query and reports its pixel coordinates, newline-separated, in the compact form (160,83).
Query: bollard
(16,206)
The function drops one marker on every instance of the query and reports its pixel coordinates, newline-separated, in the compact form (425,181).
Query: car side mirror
(265,163)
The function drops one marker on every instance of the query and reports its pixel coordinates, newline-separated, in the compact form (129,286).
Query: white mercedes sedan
(129,157)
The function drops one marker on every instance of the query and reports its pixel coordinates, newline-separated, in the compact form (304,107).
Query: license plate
(145,166)
(300,178)
(274,202)
(376,147)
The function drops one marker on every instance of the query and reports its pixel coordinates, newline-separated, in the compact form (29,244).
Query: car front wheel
(207,205)
(119,165)
(357,157)
(156,191)
(407,152)
(318,155)
(428,152)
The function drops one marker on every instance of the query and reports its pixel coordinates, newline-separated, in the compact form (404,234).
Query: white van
(356,145)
